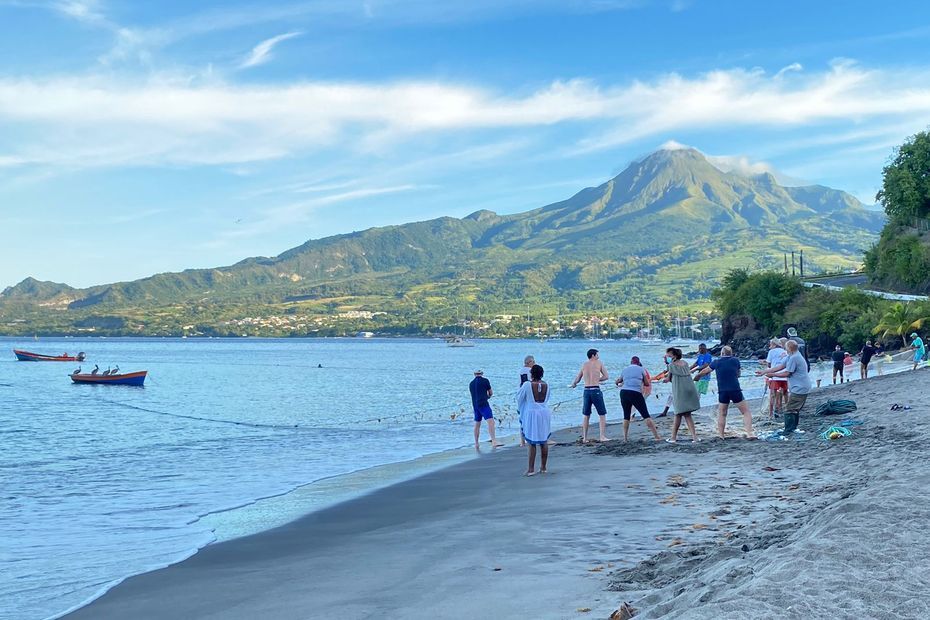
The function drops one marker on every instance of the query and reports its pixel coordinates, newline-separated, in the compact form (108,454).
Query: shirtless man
(593,373)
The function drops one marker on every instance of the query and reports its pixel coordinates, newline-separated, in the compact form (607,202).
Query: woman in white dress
(535,418)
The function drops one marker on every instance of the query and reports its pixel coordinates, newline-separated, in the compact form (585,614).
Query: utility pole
(802,263)
(786,262)
(792,263)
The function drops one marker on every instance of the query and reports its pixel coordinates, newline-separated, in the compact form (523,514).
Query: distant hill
(661,232)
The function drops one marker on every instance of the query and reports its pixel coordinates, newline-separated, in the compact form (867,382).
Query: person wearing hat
(481,391)
(802,346)
(631,382)
(919,350)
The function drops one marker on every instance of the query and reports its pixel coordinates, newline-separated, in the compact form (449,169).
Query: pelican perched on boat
(77,371)
(95,370)
(115,371)
(106,372)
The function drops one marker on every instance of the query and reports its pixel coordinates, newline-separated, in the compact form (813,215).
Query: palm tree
(900,319)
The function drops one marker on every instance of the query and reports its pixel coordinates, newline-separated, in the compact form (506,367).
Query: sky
(145,137)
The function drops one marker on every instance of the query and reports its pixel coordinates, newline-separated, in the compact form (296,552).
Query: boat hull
(129,378)
(26,356)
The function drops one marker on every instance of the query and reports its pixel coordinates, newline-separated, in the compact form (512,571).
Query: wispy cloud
(168,120)
(261,53)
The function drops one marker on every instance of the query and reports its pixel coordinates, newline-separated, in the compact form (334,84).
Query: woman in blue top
(919,351)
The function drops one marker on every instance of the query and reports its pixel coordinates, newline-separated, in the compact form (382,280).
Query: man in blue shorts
(593,373)
(481,391)
(729,391)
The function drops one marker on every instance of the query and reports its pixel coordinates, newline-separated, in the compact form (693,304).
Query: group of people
(786,370)
(688,382)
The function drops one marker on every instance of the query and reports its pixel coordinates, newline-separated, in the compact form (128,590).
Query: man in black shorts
(865,358)
(728,391)
(837,357)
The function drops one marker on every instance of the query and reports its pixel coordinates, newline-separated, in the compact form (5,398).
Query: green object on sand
(835,407)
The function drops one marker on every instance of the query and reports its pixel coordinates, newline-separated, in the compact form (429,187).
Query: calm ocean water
(102,482)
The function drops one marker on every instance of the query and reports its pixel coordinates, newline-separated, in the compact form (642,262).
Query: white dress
(535,416)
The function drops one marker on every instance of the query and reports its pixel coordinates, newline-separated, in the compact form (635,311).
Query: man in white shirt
(799,385)
(528,362)
(778,386)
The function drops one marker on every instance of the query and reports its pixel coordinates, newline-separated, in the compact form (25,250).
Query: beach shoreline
(609,529)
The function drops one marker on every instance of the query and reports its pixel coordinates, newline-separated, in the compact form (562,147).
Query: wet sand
(720,529)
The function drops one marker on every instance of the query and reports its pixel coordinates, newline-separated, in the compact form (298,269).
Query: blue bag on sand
(836,407)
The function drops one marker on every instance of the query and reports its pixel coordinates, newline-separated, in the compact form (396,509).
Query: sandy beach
(805,528)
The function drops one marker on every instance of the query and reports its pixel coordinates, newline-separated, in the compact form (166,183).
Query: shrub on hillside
(763,296)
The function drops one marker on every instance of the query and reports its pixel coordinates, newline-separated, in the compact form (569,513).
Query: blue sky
(138,138)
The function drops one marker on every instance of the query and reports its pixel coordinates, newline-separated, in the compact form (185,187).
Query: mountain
(661,232)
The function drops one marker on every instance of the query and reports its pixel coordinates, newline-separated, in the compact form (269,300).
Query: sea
(230,437)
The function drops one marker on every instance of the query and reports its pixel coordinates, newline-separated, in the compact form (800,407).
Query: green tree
(905,192)
(900,319)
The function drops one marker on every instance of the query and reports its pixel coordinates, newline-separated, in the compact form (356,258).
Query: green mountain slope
(661,232)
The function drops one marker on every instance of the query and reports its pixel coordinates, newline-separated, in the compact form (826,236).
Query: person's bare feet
(603,439)
(530,473)
(497,445)
(544,471)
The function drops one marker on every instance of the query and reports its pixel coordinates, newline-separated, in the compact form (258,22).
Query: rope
(835,432)
(206,419)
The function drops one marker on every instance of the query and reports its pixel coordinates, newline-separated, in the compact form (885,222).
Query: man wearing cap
(481,391)
(794,368)
(919,350)
(802,346)
(593,372)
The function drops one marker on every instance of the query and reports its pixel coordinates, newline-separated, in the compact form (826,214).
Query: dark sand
(794,529)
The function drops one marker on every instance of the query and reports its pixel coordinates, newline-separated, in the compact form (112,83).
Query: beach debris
(497,568)
(835,432)
(583,610)
(625,612)
(794,487)
(699,526)
(769,468)
(676,542)
(596,569)
(671,499)
(676,480)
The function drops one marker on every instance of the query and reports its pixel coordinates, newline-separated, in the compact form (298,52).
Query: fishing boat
(129,378)
(458,341)
(26,356)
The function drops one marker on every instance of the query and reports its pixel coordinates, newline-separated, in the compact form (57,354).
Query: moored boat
(26,356)
(129,378)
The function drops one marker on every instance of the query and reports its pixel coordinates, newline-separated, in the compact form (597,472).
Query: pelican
(106,372)
(77,371)
(95,370)
(115,371)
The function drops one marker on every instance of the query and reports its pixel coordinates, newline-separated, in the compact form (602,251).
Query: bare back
(593,372)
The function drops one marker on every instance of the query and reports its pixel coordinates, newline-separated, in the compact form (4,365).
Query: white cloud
(101,121)
(739,164)
(261,53)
